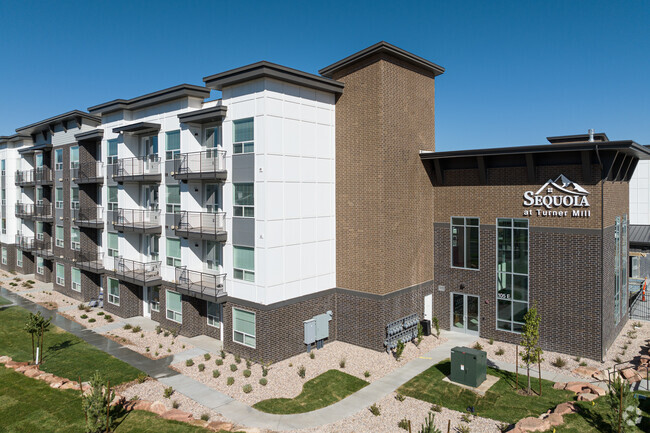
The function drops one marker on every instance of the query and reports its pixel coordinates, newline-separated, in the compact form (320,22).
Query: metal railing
(200,223)
(24,242)
(24,209)
(143,272)
(43,210)
(213,285)
(24,177)
(136,218)
(42,175)
(89,261)
(44,248)
(138,166)
(89,215)
(207,161)
(89,172)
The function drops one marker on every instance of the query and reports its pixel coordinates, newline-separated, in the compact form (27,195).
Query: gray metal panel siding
(243,232)
(243,168)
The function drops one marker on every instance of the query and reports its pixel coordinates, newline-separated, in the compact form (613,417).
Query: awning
(639,235)
(35,148)
(207,115)
(137,128)
(95,134)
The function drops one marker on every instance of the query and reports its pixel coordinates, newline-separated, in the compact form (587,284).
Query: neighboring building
(297,196)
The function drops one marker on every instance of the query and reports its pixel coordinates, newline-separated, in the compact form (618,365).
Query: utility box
(468,366)
(310,331)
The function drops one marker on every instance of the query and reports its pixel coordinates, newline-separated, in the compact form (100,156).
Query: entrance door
(465,314)
(146,296)
(428,307)
(150,197)
(150,153)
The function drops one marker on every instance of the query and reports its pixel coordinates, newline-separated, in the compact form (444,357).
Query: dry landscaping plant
(375,410)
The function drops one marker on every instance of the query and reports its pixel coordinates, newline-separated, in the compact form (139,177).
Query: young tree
(532,353)
(32,328)
(96,405)
(42,326)
(623,414)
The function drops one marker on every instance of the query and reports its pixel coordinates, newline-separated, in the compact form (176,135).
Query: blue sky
(517,71)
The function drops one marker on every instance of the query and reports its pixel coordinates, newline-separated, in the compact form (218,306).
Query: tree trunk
(33,349)
(41,346)
(528,373)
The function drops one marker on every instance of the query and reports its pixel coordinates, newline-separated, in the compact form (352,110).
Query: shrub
(436,408)
(91,320)
(246,373)
(399,349)
(158,329)
(491,341)
(366,373)
(233,367)
(503,427)
(142,335)
(155,354)
(558,362)
(168,392)
(222,354)
(96,405)
(136,329)
(166,334)
(436,326)
(142,377)
(463,428)
(175,404)
(174,333)
(399,397)
(263,381)
(466,417)
(189,363)
(201,367)
(147,348)
(81,307)
(34,282)
(500,351)
(84,316)
(618,360)
(230,381)
(312,355)
(216,373)
(576,359)
(375,410)
(159,346)
(583,364)
(265,370)
(342,363)
(238,359)
(247,388)
(206,356)
(108,317)
(477,346)
(218,361)
(205,417)
(100,313)
(127,326)
(403,424)
(301,371)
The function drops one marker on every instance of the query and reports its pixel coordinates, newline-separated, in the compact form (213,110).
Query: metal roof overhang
(137,128)
(206,115)
(639,235)
(35,148)
(95,134)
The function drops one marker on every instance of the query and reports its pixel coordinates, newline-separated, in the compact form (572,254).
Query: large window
(111,157)
(40,267)
(4,255)
(465,242)
(243,136)
(58,236)
(244,200)
(3,166)
(58,159)
(173,198)
(512,273)
(212,137)
(112,198)
(75,239)
(244,263)
(113,245)
(58,198)
(76,279)
(74,197)
(174,306)
(4,197)
(74,157)
(243,327)
(19,258)
(211,255)
(39,196)
(214,314)
(624,259)
(39,230)
(60,274)
(635,267)
(173,145)
(4,225)
(155,298)
(620,268)
(173,252)
(113,291)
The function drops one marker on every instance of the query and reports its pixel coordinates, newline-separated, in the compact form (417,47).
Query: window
(75,241)
(212,137)
(155,298)
(512,273)
(19,258)
(173,252)
(4,255)
(58,159)
(214,314)
(113,245)
(211,255)
(174,307)
(113,291)
(76,279)
(243,327)
(4,226)
(39,230)
(624,259)
(4,197)
(112,198)
(58,198)
(243,136)
(59,236)
(173,145)
(173,198)
(154,247)
(60,274)
(39,159)
(74,197)
(244,263)
(111,157)
(635,267)
(40,268)
(244,200)
(465,242)
(39,196)
(74,157)
(3,166)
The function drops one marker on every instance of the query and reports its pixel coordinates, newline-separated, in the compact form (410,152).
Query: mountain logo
(562,183)
(560,192)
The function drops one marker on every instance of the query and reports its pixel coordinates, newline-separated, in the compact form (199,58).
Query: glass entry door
(465,313)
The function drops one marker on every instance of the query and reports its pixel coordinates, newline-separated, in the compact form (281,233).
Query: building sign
(558,198)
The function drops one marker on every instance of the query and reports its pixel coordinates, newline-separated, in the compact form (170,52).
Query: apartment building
(296,199)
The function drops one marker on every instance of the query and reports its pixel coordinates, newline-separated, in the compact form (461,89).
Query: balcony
(25,243)
(44,249)
(24,210)
(137,169)
(25,178)
(206,165)
(200,284)
(43,212)
(90,261)
(137,220)
(43,176)
(89,172)
(135,272)
(201,225)
(92,217)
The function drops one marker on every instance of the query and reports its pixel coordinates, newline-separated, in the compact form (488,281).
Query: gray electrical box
(310,331)
(322,326)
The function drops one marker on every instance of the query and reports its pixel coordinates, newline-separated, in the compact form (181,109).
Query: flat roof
(160,96)
(137,128)
(598,136)
(90,135)
(206,115)
(266,69)
(45,124)
(383,48)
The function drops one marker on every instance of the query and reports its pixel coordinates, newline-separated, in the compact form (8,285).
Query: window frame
(112,298)
(111,159)
(112,252)
(242,207)
(465,226)
(155,305)
(40,268)
(74,163)
(213,320)
(76,246)
(73,282)
(58,204)
(60,280)
(4,255)
(244,334)
(58,166)
(112,205)
(173,207)
(174,317)
(175,261)
(174,153)
(239,147)
(74,204)
(19,258)
(59,242)
(244,272)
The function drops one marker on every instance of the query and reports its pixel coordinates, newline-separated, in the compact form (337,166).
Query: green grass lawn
(65,355)
(4,301)
(321,391)
(501,402)
(28,405)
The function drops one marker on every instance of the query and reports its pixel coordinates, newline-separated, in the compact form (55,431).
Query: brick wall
(11,257)
(194,311)
(130,300)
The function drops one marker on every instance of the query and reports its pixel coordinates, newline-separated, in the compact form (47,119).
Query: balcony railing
(137,169)
(24,177)
(43,211)
(92,217)
(137,220)
(89,172)
(208,164)
(44,248)
(25,243)
(200,284)
(42,175)
(203,225)
(137,272)
(24,210)
(90,261)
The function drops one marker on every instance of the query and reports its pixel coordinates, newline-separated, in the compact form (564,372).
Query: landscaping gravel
(141,340)
(283,379)
(100,319)
(50,299)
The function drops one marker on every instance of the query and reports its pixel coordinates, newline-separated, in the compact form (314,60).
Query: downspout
(602,258)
